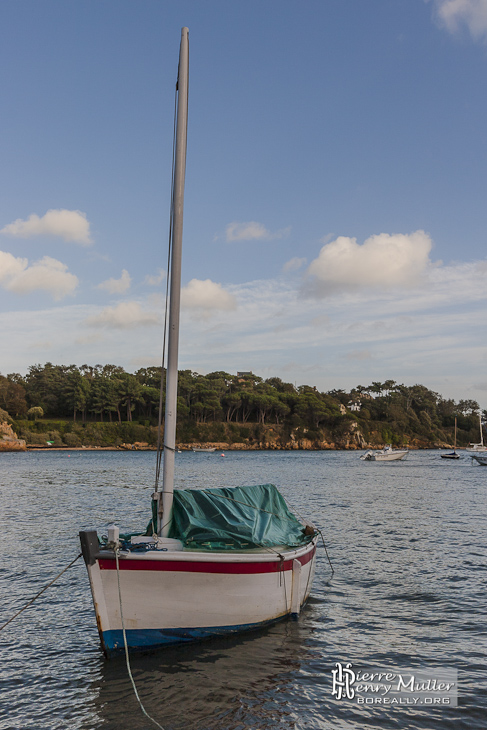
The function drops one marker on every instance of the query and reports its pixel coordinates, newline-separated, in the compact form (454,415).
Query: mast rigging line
(160,450)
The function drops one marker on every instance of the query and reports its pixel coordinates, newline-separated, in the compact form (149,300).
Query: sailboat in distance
(452,454)
(475,448)
(212,561)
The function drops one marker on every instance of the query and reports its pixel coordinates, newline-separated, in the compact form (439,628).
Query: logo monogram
(343,678)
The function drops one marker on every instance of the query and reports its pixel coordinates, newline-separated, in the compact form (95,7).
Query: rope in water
(326,551)
(40,592)
(127,659)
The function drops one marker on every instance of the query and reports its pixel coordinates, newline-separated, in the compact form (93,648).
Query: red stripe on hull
(189,566)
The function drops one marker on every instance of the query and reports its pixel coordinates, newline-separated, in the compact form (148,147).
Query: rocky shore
(254,438)
(9,440)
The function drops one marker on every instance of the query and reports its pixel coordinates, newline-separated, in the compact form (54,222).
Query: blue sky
(335,214)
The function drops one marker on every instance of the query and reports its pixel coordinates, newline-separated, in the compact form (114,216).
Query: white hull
(183,596)
(395,456)
(385,455)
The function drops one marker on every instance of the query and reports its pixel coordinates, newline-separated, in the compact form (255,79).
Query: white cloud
(383,262)
(126,315)
(10,266)
(70,225)
(48,275)
(426,335)
(293,264)
(206,297)
(252,231)
(454,14)
(155,279)
(117,286)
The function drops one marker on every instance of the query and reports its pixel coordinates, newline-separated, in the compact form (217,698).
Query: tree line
(108,393)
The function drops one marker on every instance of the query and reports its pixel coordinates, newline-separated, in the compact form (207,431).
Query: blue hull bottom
(147,639)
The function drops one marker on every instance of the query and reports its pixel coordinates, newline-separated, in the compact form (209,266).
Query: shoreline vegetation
(104,407)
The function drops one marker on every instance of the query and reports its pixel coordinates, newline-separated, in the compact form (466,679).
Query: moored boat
(452,454)
(211,561)
(478,448)
(228,573)
(385,454)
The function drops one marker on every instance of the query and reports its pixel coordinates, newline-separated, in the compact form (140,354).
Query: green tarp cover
(235,518)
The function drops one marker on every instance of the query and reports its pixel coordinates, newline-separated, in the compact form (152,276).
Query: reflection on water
(407,541)
(227,683)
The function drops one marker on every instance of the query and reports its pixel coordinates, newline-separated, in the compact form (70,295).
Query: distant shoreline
(186,448)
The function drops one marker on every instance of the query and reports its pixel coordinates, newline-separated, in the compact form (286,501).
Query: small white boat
(385,454)
(476,448)
(209,450)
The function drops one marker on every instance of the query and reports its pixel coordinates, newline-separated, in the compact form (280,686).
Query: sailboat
(452,454)
(212,561)
(475,448)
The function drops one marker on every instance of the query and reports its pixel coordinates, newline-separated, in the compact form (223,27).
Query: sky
(335,223)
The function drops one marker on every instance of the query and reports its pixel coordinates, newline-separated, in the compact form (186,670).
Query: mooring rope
(127,660)
(314,527)
(326,551)
(40,592)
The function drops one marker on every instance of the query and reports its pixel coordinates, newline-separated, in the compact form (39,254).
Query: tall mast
(165,514)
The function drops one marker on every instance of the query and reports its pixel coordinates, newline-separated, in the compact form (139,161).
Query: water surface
(407,541)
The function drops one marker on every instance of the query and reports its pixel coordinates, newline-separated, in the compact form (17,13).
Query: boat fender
(296,590)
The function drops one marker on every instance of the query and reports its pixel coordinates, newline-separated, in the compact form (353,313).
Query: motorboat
(385,454)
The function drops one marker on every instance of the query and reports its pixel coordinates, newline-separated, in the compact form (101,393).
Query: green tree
(105,397)
(45,387)
(231,403)
(35,412)
(76,391)
(130,392)
(150,377)
(468,407)
(12,397)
